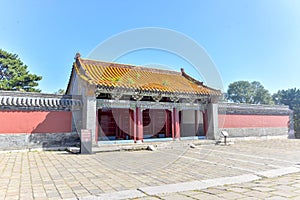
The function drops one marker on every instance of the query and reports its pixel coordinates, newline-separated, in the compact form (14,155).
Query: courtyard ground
(254,169)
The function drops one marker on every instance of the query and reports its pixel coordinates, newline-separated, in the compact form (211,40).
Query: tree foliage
(14,74)
(60,91)
(291,98)
(246,92)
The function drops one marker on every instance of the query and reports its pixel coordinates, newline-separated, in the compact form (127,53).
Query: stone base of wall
(38,140)
(255,132)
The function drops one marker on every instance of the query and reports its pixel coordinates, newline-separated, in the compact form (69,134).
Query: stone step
(154,145)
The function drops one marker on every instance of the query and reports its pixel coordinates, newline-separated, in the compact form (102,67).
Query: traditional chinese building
(126,102)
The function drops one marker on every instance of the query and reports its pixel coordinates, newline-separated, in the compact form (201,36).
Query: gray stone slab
(198,185)
(171,188)
(231,180)
(278,172)
(126,194)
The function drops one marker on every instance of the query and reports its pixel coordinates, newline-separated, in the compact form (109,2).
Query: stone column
(89,116)
(291,131)
(213,129)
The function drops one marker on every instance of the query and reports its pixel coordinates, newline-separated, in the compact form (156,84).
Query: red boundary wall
(252,121)
(35,121)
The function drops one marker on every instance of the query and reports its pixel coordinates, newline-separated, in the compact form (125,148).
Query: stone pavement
(244,170)
(283,187)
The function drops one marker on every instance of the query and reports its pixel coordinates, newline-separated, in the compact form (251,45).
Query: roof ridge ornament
(77,56)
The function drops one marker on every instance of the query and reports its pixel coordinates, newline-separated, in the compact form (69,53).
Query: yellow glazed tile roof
(105,74)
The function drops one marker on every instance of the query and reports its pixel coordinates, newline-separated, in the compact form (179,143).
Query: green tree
(291,98)
(60,91)
(246,92)
(14,74)
(261,95)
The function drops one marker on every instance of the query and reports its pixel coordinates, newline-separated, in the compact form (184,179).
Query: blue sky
(247,40)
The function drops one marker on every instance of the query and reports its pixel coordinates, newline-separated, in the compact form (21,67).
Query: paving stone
(148,198)
(297,185)
(258,194)
(213,191)
(276,198)
(263,189)
(53,173)
(295,198)
(121,195)
(238,189)
(284,188)
(201,196)
(53,194)
(286,194)
(231,195)
(250,198)
(176,197)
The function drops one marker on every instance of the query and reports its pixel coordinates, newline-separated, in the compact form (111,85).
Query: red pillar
(205,122)
(97,126)
(173,124)
(134,125)
(139,118)
(131,123)
(176,123)
(167,123)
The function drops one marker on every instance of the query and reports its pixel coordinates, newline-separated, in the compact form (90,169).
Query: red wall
(35,121)
(252,121)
